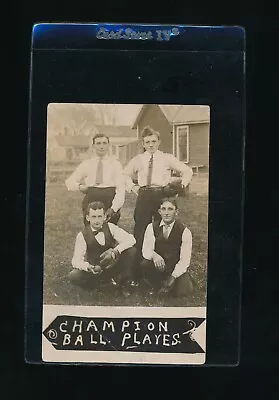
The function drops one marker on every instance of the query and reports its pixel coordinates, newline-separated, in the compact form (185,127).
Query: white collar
(148,155)
(95,157)
(169,226)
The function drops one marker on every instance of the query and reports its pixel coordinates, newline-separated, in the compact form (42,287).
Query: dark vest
(169,248)
(94,248)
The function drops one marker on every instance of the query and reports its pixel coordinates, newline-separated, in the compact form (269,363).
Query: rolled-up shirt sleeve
(129,172)
(148,243)
(76,178)
(79,257)
(179,166)
(124,239)
(119,197)
(185,254)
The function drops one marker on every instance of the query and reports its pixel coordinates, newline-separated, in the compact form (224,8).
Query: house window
(181,143)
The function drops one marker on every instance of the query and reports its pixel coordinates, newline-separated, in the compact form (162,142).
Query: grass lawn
(64,221)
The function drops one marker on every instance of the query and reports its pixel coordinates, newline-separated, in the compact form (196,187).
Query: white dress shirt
(112,177)
(124,239)
(185,251)
(163,164)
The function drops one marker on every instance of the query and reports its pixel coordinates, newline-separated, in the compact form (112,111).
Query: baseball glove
(173,188)
(108,258)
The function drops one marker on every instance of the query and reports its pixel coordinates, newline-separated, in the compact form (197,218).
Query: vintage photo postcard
(126,233)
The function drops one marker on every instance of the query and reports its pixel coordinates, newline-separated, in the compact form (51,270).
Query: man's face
(96,218)
(168,212)
(101,146)
(151,143)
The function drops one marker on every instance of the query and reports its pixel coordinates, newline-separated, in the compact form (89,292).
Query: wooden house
(184,130)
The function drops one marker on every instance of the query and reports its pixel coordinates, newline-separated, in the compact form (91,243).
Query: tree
(79,119)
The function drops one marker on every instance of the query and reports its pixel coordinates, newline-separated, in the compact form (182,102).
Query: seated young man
(167,248)
(103,252)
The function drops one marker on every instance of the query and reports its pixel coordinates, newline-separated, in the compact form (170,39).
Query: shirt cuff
(118,248)
(176,274)
(82,267)
(150,256)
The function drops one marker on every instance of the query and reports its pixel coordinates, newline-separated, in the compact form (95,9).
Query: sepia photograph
(126,205)
(126,233)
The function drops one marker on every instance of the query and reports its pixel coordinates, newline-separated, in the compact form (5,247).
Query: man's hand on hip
(83,188)
(109,213)
(135,189)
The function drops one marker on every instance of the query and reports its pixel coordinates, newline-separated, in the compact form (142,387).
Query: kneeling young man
(103,252)
(167,248)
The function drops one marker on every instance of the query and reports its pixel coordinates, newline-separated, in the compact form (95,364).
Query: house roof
(84,141)
(73,141)
(116,131)
(122,140)
(176,114)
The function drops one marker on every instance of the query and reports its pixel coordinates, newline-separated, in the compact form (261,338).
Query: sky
(127,114)
(79,117)
(60,115)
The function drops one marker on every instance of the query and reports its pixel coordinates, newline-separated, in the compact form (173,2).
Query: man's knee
(130,253)
(147,267)
(146,263)
(77,276)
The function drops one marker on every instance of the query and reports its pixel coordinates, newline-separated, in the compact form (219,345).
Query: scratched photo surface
(184,135)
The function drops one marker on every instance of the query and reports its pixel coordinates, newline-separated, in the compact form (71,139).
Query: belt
(101,187)
(152,188)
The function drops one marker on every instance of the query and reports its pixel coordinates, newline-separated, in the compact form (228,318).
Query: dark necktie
(150,170)
(96,232)
(99,172)
(166,231)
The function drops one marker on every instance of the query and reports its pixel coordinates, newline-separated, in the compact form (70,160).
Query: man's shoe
(134,283)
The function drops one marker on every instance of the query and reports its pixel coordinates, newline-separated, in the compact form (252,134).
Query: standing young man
(153,169)
(103,251)
(101,179)
(167,248)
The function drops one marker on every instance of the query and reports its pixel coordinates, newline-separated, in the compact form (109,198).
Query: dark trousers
(120,271)
(146,210)
(105,195)
(183,285)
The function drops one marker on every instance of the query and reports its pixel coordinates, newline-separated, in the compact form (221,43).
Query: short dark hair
(148,131)
(171,200)
(95,205)
(99,135)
